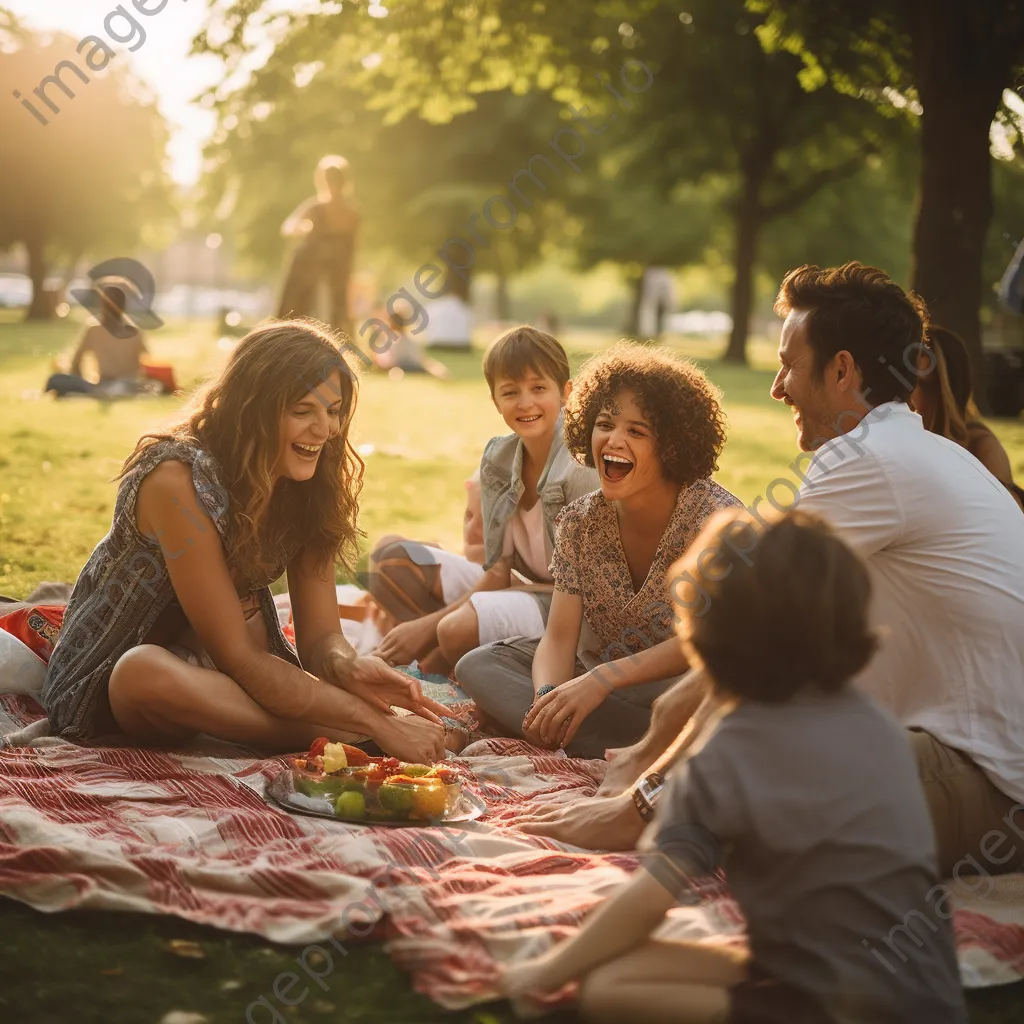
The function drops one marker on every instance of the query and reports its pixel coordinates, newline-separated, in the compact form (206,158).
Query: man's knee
(388,553)
(459,632)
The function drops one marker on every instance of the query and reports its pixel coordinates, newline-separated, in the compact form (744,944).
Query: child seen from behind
(802,789)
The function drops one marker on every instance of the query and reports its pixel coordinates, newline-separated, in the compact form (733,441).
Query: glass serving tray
(462,806)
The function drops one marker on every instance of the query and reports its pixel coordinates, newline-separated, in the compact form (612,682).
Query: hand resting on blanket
(250,695)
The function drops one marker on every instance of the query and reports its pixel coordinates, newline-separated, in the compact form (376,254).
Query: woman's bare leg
(664,982)
(158,698)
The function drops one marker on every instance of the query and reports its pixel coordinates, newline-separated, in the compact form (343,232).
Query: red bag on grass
(36,627)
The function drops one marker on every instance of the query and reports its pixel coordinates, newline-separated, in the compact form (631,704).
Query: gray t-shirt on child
(814,809)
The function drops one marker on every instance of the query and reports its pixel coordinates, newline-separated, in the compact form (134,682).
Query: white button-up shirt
(944,543)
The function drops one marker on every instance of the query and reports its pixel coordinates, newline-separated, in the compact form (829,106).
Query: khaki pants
(978,828)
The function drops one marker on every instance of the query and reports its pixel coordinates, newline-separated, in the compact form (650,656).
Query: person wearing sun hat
(115,343)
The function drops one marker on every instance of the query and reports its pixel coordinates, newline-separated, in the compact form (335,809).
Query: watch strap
(645,794)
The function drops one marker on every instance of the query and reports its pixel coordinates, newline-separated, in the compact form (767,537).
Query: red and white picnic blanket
(190,834)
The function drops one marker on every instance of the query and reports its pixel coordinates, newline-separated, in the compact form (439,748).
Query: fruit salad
(363,788)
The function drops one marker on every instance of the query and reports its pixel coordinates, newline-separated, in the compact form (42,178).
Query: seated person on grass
(171,629)
(943,541)
(653,427)
(944,396)
(116,345)
(804,790)
(447,605)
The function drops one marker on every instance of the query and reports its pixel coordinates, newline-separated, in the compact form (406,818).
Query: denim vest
(561,481)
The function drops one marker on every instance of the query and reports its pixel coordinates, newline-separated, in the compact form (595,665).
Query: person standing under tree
(326,226)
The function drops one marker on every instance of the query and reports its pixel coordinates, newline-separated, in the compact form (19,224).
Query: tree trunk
(749,220)
(461,285)
(954,205)
(636,285)
(39,308)
(503,305)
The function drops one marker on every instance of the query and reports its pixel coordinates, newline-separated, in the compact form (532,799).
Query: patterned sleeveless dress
(123,589)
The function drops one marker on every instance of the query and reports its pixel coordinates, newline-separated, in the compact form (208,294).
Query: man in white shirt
(944,543)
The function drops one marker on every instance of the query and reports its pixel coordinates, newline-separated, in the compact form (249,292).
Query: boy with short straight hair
(446,605)
(804,790)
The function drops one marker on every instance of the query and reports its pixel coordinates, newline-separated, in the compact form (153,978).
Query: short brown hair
(789,613)
(681,403)
(863,311)
(523,349)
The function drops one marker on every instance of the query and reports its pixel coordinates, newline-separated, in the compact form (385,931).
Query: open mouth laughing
(309,452)
(615,467)
(528,419)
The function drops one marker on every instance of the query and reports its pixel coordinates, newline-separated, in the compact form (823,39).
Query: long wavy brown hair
(237,419)
(941,414)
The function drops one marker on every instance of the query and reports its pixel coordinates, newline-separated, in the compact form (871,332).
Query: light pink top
(527,536)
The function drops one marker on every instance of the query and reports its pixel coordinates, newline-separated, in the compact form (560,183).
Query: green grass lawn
(56,498)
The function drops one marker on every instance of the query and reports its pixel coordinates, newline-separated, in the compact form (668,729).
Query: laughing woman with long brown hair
(172,631)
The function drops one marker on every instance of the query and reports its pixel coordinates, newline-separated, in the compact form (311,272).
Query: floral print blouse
(589,560)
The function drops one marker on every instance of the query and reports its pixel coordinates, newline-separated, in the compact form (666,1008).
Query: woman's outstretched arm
(324,651)
(168,511)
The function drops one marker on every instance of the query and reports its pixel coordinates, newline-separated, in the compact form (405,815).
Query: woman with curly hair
(653,428)
(172,630)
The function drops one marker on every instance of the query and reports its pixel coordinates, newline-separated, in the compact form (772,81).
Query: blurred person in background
(114,342)
(326,226)
(944,398)
(401,352)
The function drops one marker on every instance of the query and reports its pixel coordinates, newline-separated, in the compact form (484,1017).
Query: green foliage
(417,183)
(952,63)
(91,181)
(725,131)
(867,217)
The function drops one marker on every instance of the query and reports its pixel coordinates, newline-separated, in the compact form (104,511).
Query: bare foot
(434,664)
(455,739)
(626,766)
(596,823)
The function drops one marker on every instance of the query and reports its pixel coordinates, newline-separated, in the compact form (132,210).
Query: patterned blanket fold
(189,834)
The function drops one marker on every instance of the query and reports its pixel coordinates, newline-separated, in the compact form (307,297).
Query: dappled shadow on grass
(91,967)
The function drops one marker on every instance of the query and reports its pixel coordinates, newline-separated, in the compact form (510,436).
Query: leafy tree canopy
(91,180)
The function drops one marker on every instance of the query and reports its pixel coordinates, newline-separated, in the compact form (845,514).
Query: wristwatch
(646,793)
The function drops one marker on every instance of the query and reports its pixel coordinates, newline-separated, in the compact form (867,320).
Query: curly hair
(682,405)
(236,418)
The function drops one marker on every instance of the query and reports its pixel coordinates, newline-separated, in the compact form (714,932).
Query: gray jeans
(499,678)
